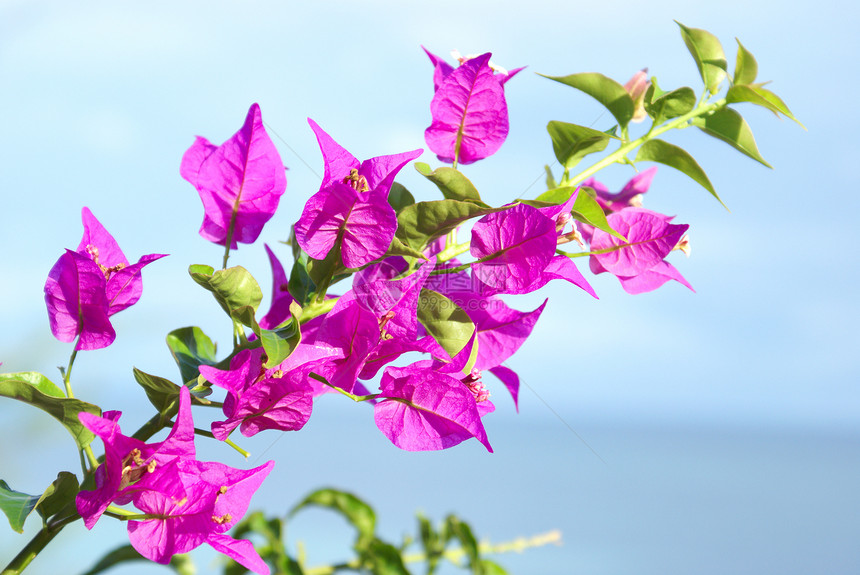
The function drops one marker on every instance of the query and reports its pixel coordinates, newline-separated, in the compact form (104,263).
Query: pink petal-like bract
(650,238)
(470,114)
(217,498)
(422,409)
(123,474)
(516,245)
(362,222)
(279,311)
(240,182)
(77,304)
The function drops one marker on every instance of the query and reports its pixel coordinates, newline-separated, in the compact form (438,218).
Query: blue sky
(100,101)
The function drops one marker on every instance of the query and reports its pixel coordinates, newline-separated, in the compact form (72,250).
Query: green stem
(67,375)
(618,155)
(316,309)
(228,441)
(352,396)
(229,241)
(452,251)
(42,538)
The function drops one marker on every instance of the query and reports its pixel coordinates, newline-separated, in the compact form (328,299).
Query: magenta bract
(85,287)
(423,409)
(469,112)
(217,497)
(131,465)
(279,311)
(638,263)
(240,182)
(351,208)
(260,399)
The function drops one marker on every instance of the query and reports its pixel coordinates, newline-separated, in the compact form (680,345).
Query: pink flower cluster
(183,502)
(433,403)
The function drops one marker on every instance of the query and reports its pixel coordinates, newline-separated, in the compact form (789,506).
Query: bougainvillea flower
(516,250)
(441,68)
(279,311)
(258,398)
(85,287)
(639,262)
(131,465)
(629,196)
(394,302)
(240,182)
(351,208)
(376,174)
(351,332)
(362,223)
(422,409)
(217,497)
(469,114)
(516,244)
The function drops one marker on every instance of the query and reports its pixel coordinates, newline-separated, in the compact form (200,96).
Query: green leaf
(550,179)
(664,106)
(571,143)
(746,68)
(359,514)
(384,559)
(585,208)
(399,197)
(432,543)
(605,90)
(191,348)
(420,223)
(463,533)
(678,158)
(327,268)
(452,183)
(233,287)
(272,550)
(398,248)
(59,494)
(181,563)
(492,568)
(162,393)
(301,286)
(708,54)
(446,322)
(37,390)
(760,96)
(16,505)
(280,343)
(730,127)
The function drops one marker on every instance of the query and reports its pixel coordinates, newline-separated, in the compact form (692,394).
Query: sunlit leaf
(605,90)
(708,54)
(667,105)
(760,96)
(678,158)
(452,183)
(571,143)
(729,126)
(16,505)
(191,348)
(746,68)
(232,287)
(59,494)
(37,390)
(445,321)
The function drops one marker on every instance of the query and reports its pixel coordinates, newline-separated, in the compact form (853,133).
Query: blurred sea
(657,498)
